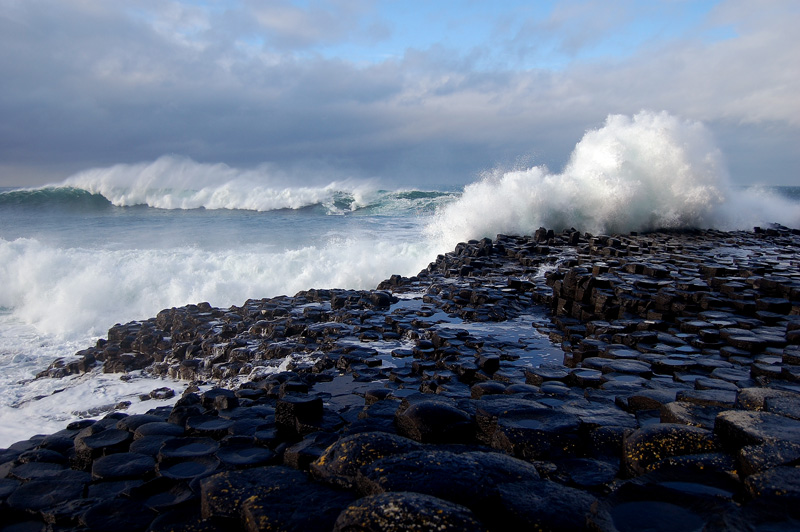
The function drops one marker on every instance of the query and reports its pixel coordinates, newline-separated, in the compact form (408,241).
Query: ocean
(120,243)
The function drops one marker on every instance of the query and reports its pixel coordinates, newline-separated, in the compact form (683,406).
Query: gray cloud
(290,27)
(88,83)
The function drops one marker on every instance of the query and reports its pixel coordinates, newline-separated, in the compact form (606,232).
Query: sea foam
(56,301)
(74,292)
(646,172)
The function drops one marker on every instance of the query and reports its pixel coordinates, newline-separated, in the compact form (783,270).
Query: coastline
(676,393)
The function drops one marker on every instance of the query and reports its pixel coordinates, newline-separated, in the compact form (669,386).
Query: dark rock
(162,393)
(656,516)
(785,406)
(486,388)
(303,453)
(538,435)
(537,376)
(185,519)
(208,426)
(69,513)
(757,458)
(219,399)
(122,466)
(469,478)
(586,378)
(586,473)
(737,428)
(111,488)
(781,483)
(441,474)
(646,399)
(7,487)
(95,445)
(131,423)
(293,407)
(756,398)
(401,511)
(718,398)
(41,455)
(162,494)
(703,416)
(120,515)
(40,494)
(541,505)
(244,455)
(23,523)
(188,468)
(374,395)
(340,463)
(61,442)
(34,470)
(180,448)
(158,428)
(500,468)
(258,497)
(149,445)
(490,408)
(650,445)
(434,422)
(181,413)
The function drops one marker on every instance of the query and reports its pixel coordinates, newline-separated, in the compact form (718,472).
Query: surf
(173,182)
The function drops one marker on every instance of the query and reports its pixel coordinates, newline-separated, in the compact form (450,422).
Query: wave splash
(646,172)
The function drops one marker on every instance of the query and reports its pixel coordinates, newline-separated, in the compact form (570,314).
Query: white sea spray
(650,171)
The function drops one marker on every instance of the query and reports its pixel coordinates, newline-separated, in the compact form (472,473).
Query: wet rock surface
(560,381)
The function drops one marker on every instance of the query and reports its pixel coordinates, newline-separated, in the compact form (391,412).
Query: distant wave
(67,197)
(172,182)
(646,172)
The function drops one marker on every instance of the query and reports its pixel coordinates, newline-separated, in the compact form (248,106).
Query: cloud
(570,27)
(90,83)
(288,25)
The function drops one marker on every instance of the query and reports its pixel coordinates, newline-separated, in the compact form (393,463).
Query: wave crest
(646,172)
(172,182)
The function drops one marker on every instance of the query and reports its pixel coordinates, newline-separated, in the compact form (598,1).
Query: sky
(405,92)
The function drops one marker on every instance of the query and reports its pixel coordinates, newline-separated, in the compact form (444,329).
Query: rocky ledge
(656,389)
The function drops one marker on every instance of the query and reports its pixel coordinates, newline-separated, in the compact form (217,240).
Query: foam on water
(29,406)
(57,301)
(649,171)
(75,292)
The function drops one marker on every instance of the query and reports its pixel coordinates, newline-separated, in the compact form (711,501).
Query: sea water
(111,245)
(74,262)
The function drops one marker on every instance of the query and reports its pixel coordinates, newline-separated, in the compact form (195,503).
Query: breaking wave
(179,183)
(646,172)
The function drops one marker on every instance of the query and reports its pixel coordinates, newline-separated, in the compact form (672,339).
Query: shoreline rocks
(669,396)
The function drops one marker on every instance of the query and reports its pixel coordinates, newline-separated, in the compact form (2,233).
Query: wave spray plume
(646,172)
